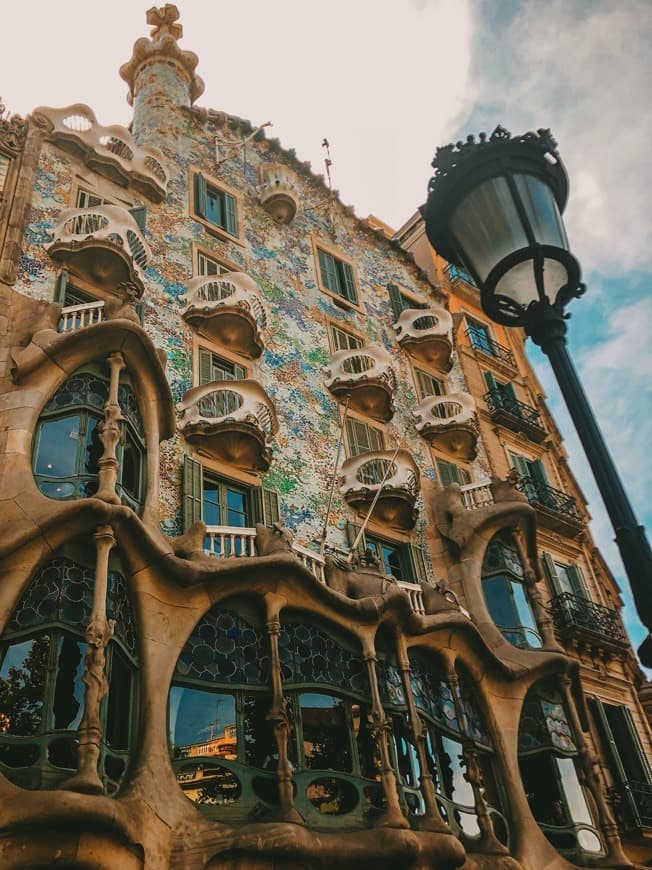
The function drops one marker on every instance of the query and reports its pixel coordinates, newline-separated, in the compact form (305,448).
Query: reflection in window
(42,657)
(506,595)
(323,719)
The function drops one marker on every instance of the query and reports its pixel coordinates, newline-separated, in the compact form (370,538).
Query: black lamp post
(494,207)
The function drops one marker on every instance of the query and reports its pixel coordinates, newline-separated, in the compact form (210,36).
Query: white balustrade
(415,594)
(476,495)
(79,316)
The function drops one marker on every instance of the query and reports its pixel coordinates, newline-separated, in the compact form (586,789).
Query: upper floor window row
(215,205)
(336,276)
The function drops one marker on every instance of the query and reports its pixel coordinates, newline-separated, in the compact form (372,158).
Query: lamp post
(494,207)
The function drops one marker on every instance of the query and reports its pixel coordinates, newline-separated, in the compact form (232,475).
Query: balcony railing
(235,542)
(515,414)
(633,804)
(396,476)
(232,420)
(476,495)
(479,340)
(228,309)
(366,375)
(557,510)
(278,191)
(426,335)
(79,316)
(449,422)
(455,273)
(574,614)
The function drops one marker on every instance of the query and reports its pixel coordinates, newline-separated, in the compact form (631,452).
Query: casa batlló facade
(206,360)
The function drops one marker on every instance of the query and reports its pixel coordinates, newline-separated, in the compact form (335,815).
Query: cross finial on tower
(164,19)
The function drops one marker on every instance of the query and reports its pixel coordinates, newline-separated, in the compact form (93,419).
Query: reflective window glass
(259,741)
(575,799)
(22,686)
(119,703)
(455,785)
(202,723)
(325,732)
(58,445)
(93,447)
(406,753)
(68,704)
(367,749)
(130,466)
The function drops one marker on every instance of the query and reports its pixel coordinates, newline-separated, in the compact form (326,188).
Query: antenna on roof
(328,163)
(324,532)
(232,147)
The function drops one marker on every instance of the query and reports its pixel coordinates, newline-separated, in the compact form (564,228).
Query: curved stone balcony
(231,420)
(227,309)
(426,335)
(450,423)
(278,192)
(362,476)
(367,376)
(109,151)
(102,245)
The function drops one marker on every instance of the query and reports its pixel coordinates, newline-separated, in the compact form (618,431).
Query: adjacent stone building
(294,571)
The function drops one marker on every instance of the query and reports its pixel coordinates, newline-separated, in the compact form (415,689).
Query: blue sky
(386,81)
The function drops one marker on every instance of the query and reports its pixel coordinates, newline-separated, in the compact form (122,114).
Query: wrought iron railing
(637,799)
(542,495)
(573,612)
(479,340)
(497,401)
(455,273)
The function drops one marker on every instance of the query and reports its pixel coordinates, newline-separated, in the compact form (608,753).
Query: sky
(386,82)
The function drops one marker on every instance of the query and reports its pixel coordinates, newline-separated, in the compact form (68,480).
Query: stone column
(109,433)
(278,715)
(381,726)
(98,633)
(588,760)
(432,820)
(488,843)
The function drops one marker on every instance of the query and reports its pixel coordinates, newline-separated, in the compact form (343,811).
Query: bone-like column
(109,434)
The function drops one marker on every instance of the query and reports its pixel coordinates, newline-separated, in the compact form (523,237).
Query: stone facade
(199,344)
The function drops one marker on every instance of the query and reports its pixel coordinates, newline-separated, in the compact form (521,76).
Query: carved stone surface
(449,422)
(393,477)
(367,376)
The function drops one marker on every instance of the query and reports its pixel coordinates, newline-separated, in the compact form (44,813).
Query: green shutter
(139,214)
(205,366)
(417,562)
(613,756)
(490,381)
(328,271)
(537,471)
(352,531)
(348,282)
(577,581)
(447,472)
(627,740)
(200,195)
(271,507)
(396,301)
(428,386)
(551,573)
(520,464)
(139,308)
(239,373)
(229,214)
(193,486)
(61,287)
(508,392)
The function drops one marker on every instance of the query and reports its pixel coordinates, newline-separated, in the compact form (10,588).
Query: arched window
(67,446)
(41,668)
(547,758)
(506,594)
(334,754)
(222,745)
(433,698)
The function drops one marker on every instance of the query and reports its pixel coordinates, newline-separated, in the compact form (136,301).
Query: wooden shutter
(613,756)
(328,271)
(200,195)
(447,472)
(577,581)
(193,486)
(352,531)
(537,470)
(205,366)
(271,509)
(428,385)
(417,562)
(490,380)
(395,300)
(629,746)
(508,392)
(239,373)
(348,282)
(551,573)
(139,214)
(61,287)
(520,464)
(230,216)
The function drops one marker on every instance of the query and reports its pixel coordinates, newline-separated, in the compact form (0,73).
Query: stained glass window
(432,695)
(543,725)
(390,684)
(84,388)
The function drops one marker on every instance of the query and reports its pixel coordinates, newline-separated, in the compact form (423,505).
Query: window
(343,340)
(427,385)
(41,668)
(215,368)
(503,392)
(215,206)
(207,265)
(5,163)
(363,438)
(506,594)
(337,277)
(86,199)
(451,473)
(405,562)
(67,446)
(479,336)
(531,469)
(564,579)
(219,502)
(400,302)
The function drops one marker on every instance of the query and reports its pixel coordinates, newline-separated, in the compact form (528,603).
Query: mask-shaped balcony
(102,245)
(450,423)
(366,375)
(363,475)
(227,309)
(230,420)
(278,192)
(426,335)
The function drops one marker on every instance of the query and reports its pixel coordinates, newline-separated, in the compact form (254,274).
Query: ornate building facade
(294,570)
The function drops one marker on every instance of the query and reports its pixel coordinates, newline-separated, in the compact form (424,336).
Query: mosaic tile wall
(280,259)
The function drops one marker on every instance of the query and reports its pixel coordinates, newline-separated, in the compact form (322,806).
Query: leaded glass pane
(544,725)
(390,684)
(58,445)
(202,723)
(259,741)
(22,686)
(326,743)
(61,591)
(224,648)
(310,656)
(129,407)
(120,608)
(433,696)
(80,389)
(474,723)
(68,704)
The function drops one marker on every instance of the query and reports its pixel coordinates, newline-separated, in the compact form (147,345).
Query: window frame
(334,327)
(340,258)
(419,372)
(218,230)
(352,421)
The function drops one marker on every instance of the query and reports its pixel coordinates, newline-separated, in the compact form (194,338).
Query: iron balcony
(515,415)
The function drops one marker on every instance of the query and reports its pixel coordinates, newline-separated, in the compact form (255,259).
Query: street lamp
(494,208)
